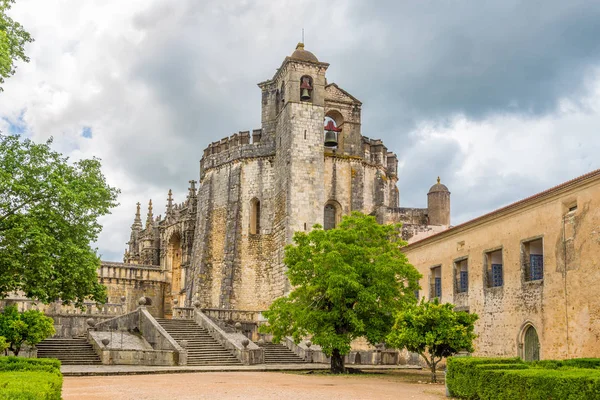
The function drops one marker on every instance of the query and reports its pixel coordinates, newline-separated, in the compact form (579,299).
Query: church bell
(331,132)
(331,139)
(304,95)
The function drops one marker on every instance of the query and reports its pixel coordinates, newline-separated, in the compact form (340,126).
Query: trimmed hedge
(29,364)
(30,378)
(592,363)
(511,378)
(30,385)
(539,384)
(463,372)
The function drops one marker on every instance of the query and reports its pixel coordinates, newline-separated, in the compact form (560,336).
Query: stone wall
(131,282)
(562,307)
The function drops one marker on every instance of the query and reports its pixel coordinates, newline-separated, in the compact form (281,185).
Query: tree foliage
(49,213)
(3,344)
(29,327)
(12,42)
(434,331)
(348,282)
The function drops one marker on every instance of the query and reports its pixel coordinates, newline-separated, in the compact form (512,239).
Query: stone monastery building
(309,163)
(530,270)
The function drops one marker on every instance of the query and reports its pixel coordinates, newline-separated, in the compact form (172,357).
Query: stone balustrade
(183,312)
(114,270)
(233,315)
(59,308)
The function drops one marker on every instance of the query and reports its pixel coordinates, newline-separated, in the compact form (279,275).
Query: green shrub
(462,375)
(510,378)
(539,384)
(30,385)
(590,363)
(29,364)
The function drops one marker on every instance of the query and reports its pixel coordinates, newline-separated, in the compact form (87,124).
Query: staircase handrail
(249,354)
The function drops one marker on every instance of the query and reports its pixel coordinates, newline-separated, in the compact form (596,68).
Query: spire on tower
(137,222)
(150,217)
(191,191)
(170,203)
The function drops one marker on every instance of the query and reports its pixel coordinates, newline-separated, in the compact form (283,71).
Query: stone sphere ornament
(197,303)
(175,301)
(261,342)
(238,326)
(184,344)
(123,298)
(245,343)
(90,322)
(308,343)
(105,341)
(142,301)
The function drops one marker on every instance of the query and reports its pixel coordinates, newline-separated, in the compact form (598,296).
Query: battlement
(239,145)
(375,152)
(407,215)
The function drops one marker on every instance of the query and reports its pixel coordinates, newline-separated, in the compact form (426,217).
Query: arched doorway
(174,265)
(531,344)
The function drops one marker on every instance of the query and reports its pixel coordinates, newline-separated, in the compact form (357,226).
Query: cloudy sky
(500,98)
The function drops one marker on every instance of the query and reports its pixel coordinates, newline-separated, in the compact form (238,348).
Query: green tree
(29,327)
(434,331)
(12,42)
(3,344)
(348,282)
(49,213)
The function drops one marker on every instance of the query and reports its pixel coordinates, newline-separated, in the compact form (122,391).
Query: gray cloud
(158,81)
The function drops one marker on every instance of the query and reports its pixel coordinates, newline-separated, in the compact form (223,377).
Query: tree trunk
(15,351)
(337,362)
(433,374)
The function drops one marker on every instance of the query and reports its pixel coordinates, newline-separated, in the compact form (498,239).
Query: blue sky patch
(86,132)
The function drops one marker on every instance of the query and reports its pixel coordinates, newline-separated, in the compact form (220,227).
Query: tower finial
(137,221)
(170,201)
(438,180)
(150,217)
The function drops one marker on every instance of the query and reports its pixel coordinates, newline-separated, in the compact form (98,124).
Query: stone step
(280,354)
(202,348)
(68,351)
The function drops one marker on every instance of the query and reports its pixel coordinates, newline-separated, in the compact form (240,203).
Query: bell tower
(299,139)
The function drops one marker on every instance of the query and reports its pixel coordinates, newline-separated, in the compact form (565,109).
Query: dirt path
(247,386)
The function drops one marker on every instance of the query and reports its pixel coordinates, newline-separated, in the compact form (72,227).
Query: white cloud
(156,81)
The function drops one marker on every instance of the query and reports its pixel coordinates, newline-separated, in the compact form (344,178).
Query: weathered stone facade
(225,244)
(529,270)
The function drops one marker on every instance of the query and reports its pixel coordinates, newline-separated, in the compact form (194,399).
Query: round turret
(303,55)
(438,204)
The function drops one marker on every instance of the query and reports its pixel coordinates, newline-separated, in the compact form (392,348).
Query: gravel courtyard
(252,385)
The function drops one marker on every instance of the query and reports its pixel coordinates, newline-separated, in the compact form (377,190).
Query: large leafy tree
(12,42)
(434,331)
(49,211)
(28,327)
(348,282)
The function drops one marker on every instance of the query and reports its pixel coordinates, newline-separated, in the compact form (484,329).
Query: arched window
(332,214)
(174,259)
(254,216)
(306,88)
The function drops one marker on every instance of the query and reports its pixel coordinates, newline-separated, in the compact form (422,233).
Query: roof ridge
(512,205)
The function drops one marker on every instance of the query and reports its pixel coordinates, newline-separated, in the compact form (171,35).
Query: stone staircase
(279,354)
(202,348)
(75,351)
